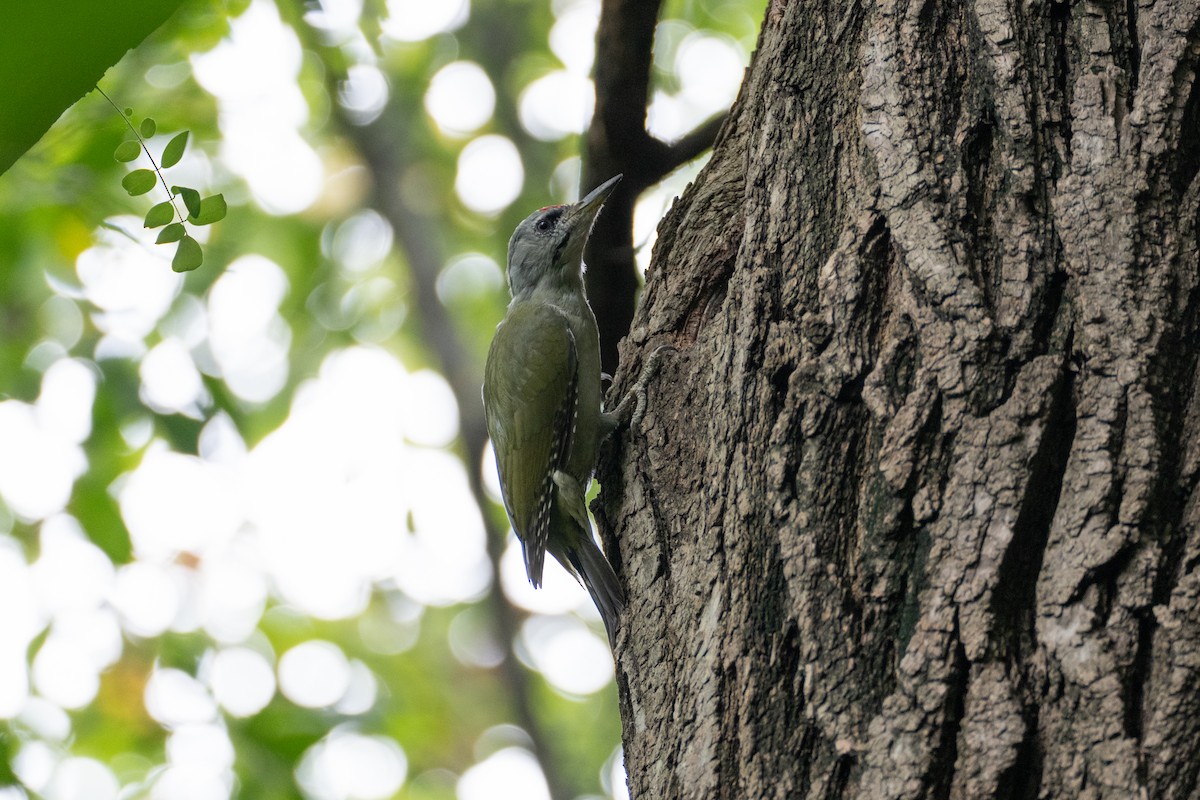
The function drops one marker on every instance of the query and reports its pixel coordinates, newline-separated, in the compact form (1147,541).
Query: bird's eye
(547,221)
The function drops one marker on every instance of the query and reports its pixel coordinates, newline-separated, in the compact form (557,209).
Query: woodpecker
(542,398)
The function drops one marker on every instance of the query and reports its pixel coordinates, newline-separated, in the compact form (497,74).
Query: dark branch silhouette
(618,142)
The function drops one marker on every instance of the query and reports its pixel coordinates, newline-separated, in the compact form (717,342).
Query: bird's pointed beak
(584,212)
(597,196)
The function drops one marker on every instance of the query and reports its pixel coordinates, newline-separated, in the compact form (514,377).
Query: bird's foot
(632,407)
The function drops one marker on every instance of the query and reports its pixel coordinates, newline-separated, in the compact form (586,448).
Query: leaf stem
(142,142)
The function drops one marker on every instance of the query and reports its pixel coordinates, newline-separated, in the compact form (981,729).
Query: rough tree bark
(914,511)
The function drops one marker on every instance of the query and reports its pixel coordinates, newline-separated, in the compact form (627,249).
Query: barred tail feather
(535,558)
(599,579)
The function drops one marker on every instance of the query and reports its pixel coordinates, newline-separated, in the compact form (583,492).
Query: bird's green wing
(529,399)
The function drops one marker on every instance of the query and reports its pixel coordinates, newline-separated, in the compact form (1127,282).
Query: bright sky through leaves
(238,545)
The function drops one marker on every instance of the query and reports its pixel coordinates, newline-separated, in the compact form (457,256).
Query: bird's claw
(638,392)
(639,408)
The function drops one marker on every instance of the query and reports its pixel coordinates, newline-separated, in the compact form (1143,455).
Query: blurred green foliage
(64,198)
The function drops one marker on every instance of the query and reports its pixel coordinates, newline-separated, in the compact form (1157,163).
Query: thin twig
(146,150)
(691,145)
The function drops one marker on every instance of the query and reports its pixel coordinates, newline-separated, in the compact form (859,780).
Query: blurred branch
(382,147)
(692,145)
(618,142)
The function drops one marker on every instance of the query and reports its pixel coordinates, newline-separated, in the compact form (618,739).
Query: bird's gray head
(548,244)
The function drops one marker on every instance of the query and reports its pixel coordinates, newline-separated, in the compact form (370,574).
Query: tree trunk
(913,512)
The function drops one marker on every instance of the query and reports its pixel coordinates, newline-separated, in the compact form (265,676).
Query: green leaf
(191,199)
(212,209)
(172,233)
(138,182)
(148,127)
(127,151)
(53,54)
(174,150)
(160,214)
(188,256)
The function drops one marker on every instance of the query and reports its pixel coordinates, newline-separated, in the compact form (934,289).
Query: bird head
(548,244)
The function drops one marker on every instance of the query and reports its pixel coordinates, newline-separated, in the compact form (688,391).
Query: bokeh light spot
(38,466)
(444,560)
(147,596)
(473,641)
(46,719)
(314,674)
(510,774)
(34,765)
(82,779)
(200,764)
(559,594)
(62,320)
(433,417)
(204,747)
(336,16)
(252,73)
(22,621)
(490,174)
(460,98)
(364,93)
(573,36)
(170,381)
(571,657)
(175,698)
(81,644)
(130,283)
(231,598)
(616,780)
(242,681)
(174,503)
(710,70)
(247,336)
(362,241)
(414,20)
(347,765)
(362,691)
(468,276)
(557,105)
(70,573)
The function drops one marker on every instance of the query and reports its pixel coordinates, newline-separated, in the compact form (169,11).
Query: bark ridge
(914,512)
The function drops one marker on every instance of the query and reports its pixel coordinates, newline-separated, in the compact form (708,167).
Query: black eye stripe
(558,249)
(549,219)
